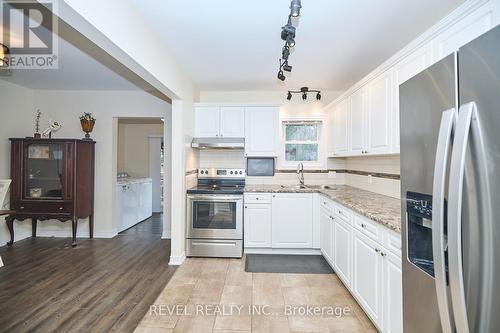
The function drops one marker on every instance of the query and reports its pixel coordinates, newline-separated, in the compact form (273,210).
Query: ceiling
(235,44)
(81,66)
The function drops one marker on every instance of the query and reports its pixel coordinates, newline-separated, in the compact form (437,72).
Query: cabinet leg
(73,228)
(91,226)
(33,227)
(10,224)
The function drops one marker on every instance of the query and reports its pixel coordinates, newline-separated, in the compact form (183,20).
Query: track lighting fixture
(295,8)
(303,91)
(281,76)
(287,67)
(288,35)
(285,53)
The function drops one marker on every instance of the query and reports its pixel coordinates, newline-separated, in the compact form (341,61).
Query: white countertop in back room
(127,181)
(377,207)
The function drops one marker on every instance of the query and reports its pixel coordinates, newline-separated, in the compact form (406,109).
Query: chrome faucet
(300,173)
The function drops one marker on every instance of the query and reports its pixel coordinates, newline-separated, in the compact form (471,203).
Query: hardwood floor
(101,285)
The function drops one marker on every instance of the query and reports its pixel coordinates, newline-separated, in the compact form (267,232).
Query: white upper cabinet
(407,68)
(292,215)
(207,122)
(219,122)
(464,31)
(357,121)
(261,131)
(379,112)
(340,123)
(232,122)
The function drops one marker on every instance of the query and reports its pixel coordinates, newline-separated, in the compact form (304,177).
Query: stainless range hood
(218,143)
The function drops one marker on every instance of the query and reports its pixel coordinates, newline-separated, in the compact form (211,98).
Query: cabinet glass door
(44,171)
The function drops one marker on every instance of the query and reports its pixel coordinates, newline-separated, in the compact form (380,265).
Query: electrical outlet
(370,179)
(332,174)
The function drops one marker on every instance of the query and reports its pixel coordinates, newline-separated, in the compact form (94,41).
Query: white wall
(66,107)
(139,47)
(133,147)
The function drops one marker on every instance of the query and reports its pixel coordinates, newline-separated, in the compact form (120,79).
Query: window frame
(320,163)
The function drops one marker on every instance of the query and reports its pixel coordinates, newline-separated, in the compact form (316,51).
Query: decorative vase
(87,122)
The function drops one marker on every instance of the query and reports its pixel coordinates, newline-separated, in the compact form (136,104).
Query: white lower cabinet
(367,276)
(342,250)
(292,225)
(367,258)
(393,295)
(257,228)
(326,234)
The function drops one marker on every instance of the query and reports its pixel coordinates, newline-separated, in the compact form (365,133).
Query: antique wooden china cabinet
(52,179)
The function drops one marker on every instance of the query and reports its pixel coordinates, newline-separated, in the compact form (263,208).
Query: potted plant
(87,122)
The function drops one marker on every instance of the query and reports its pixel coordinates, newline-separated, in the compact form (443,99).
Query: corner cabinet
(261,131)
(52,179)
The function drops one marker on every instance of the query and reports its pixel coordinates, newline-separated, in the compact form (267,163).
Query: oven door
(215,216)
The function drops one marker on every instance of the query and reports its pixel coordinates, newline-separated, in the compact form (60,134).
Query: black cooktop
(218,186)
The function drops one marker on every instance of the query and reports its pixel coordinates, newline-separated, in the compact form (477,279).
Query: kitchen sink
(294,187)
(320,187)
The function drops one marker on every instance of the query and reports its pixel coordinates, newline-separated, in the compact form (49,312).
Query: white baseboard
(177,260)
(282,251)
(165,236)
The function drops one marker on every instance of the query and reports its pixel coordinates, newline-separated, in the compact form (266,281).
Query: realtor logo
(29,34)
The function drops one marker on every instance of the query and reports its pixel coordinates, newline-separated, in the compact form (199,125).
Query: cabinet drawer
(44,207)
(343,213)
(393,242)
(326,203)
(252,198)
(368,228)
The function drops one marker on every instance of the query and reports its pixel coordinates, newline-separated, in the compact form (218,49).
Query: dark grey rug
(284,263)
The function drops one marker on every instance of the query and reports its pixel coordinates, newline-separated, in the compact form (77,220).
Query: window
(301,141)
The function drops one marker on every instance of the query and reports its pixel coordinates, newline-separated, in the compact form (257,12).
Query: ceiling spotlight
(318,96)
(290,41)
(281,76)
(287,67)
(304,96)
(286,52)
(289,96)
(295,8)
(287,30)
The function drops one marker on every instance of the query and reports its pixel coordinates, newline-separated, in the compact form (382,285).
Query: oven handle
(215,198)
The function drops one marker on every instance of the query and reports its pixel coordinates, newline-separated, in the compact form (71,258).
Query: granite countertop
(380,208)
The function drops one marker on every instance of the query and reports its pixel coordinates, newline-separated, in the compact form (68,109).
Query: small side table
(10,224)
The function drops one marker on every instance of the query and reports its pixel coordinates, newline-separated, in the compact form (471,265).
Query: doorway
(139,186)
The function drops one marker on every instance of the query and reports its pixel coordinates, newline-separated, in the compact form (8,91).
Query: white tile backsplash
(222,159)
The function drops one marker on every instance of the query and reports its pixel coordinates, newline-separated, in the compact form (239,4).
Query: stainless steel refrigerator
(450,190)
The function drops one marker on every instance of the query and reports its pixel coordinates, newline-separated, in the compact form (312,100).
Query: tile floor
(217,295)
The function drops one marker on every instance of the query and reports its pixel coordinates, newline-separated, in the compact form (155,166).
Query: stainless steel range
(215,214)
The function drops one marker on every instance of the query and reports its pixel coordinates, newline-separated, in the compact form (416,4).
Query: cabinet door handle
(22,207)
(363,225)
(256,198)
(377,250)
(383,254)
(246,207)
(60,208)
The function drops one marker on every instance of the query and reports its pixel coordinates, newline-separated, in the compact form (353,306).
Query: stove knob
(241,172)
(231,172)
